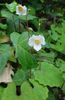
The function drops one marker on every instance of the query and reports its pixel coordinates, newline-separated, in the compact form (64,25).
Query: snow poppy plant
(21,10)
(36,41)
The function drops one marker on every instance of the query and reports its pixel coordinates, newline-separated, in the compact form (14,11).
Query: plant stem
(19,25)
(14,23)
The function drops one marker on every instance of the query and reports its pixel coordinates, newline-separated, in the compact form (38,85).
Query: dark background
(9,1)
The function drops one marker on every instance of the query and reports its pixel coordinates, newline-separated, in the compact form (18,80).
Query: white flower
(37,41)
(5,76)
(21,10)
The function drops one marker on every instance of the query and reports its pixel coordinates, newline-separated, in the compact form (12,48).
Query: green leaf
(5,13)
(27,92)
(44,56)
(23,40)
(40,91)
(12,6)
(28,17)
(1,91)
(12,21)
(19,77)
(54,34)
(32,10)
(26,60)
(60,64)
(59,45)
(3,26)
(14,38)
(4,56)
(49,75)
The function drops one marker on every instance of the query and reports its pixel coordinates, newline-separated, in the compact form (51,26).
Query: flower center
(20,8)
(37,41)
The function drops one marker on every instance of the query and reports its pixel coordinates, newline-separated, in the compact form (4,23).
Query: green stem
(14,23)
(19,25)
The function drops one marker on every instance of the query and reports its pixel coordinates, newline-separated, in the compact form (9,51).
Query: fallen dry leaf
(6,74)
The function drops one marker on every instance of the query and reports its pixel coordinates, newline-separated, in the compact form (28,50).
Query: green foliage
(48,75)
(26,60)
(27,92)
(51,96)
(41,75)
(11,7)
(19,77)
(4,56)
(28,17)
(2,26)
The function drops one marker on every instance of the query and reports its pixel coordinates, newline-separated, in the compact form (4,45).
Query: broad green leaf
(49,75)
(12,6)
(4,56)
(23,40)
(14,38)
(40,91)
(27,92)
(26,60)
(19,77)
(5,13)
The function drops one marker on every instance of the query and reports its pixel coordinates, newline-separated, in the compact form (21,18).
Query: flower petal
(37,47)
(23,12)
(17,11)
(31,41)
(42,39)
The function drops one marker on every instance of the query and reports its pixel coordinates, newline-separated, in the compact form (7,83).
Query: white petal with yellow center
(21,10)
(31,41)
(36,41)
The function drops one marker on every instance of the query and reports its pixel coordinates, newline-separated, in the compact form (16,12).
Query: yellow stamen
(20,8)
(37,41)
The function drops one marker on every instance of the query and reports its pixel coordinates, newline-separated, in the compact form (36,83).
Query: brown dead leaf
(6,74)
